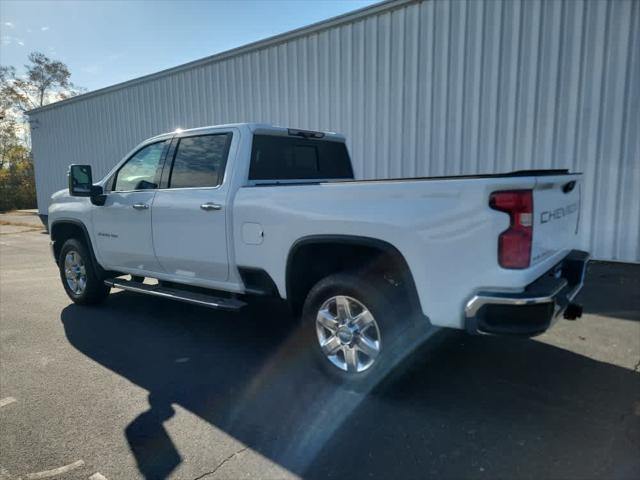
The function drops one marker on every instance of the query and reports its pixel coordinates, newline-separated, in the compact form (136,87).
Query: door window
(141,170)
(200,161)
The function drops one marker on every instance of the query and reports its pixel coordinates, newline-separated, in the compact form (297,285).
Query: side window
(140,171)
(200,161)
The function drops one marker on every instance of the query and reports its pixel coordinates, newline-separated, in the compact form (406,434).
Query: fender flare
(87,240)
(357,241)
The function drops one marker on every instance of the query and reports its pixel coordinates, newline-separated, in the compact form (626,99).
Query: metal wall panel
(429,87)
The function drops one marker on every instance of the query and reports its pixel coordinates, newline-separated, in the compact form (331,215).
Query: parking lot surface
(145,388)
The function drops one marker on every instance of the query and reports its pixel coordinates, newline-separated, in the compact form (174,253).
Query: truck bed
(444,227)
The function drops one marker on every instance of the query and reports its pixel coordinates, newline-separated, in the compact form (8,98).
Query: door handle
(210,206)
(140,206)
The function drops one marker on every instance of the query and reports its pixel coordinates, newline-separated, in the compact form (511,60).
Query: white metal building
(419,87)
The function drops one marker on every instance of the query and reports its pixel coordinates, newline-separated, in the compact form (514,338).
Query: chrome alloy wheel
(75,272)
(348,334)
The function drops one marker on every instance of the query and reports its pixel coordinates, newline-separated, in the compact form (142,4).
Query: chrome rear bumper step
(211,301)
(533,310)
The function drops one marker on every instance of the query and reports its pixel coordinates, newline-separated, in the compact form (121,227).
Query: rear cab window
(278,157)
(200,161)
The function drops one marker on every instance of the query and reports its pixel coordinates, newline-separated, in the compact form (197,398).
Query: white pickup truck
(215,215)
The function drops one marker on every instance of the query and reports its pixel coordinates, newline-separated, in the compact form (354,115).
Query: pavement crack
(637,366)
(225,460)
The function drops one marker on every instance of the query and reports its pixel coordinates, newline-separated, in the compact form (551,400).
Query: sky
(108,42)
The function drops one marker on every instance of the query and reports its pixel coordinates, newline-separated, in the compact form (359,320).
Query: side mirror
(80,181)
(81,184)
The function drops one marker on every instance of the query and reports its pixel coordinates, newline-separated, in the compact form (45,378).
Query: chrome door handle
(210,206)
(140,206)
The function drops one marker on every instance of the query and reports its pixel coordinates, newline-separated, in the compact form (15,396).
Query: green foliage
(45,81)
(17,183)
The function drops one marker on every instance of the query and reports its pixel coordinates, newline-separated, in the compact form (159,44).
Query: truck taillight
(514,244)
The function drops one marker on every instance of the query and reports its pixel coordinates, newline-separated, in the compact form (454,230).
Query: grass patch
(21,224)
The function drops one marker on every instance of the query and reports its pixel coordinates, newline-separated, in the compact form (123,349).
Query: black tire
(377,296)
(95,291)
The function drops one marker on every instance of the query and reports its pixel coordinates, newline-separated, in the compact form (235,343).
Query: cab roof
(256,128)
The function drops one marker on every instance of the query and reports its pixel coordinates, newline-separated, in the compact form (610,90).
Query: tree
(8,137)
(17,183)
(45,81)
(9,131)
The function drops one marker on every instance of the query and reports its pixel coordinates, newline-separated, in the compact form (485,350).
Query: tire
(79,274)
(384,334)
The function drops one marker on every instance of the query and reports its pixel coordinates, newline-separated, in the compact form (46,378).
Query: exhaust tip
(573,311)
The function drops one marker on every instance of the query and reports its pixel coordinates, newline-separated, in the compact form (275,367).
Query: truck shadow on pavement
(612,290)
(460,407)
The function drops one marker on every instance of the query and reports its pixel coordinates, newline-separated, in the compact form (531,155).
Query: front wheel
(356,327)
(78,274)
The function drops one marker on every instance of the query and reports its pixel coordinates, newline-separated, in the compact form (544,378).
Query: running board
(219,303)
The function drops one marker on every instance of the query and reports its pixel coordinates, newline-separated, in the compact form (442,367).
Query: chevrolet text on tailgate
(214,216)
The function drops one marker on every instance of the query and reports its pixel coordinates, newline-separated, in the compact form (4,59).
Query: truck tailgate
(556,210)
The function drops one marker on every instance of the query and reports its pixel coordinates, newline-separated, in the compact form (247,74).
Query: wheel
(355,328)
(78,274)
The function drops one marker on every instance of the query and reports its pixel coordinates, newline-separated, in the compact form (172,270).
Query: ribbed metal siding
(421,88)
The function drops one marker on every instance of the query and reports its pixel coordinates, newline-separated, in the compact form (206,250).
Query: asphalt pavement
(146,388)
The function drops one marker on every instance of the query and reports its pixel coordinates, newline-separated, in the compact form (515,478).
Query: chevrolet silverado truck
(215,216)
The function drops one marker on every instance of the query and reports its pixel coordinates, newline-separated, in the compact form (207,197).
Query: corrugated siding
(431,87)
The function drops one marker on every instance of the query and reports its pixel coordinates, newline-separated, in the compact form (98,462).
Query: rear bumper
(532,311)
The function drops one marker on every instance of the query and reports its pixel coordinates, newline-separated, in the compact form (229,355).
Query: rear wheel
(355,326)
(78,274)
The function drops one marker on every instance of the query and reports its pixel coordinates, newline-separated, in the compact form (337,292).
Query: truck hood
(60,194)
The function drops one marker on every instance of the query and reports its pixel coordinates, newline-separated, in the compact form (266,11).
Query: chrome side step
(211,301)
